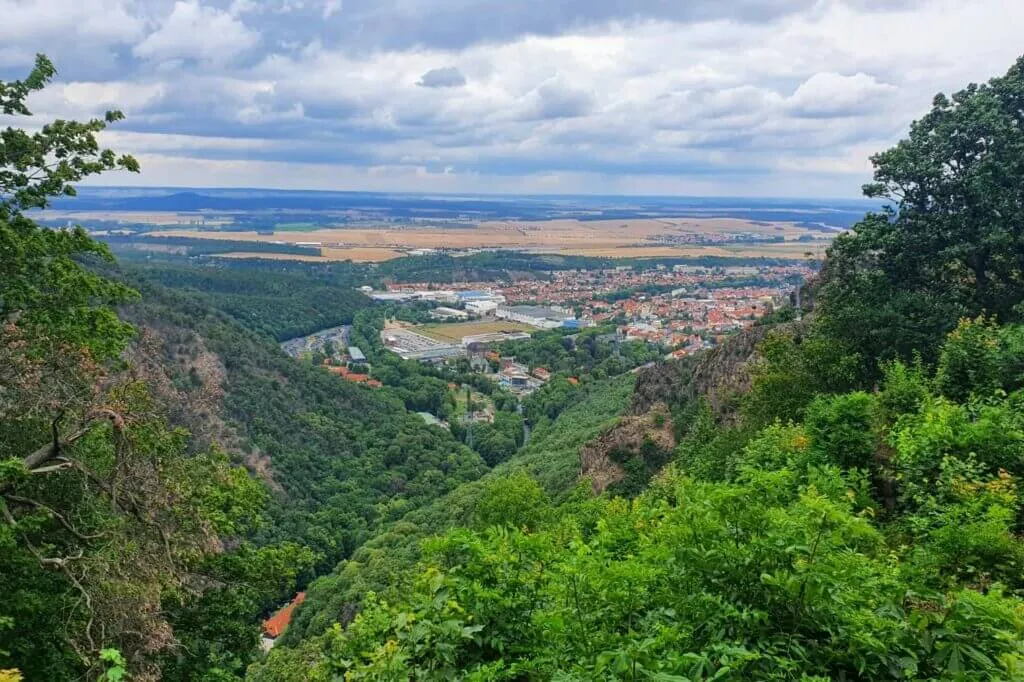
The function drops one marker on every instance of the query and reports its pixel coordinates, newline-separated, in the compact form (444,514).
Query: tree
(103,509)
(950,241)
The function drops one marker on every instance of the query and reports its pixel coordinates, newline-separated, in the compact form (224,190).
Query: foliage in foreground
(110,518)
(876,540)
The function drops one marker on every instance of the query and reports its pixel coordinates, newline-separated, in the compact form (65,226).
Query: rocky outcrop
(719,374)
(649,436)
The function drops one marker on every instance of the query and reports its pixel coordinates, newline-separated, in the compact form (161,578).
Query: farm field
(638,237)
(795,250)
(453,333)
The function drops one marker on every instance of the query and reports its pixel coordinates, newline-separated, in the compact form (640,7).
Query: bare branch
(63,521)
(53,449)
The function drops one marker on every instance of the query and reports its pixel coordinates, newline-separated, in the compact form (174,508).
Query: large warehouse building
(536,316)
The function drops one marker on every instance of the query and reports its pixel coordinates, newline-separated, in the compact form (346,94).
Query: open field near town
(453,333)
(614,238)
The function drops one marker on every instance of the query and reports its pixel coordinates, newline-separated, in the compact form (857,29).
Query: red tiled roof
(275,625)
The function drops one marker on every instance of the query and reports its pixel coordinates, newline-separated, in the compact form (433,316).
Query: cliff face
(649,438)
(719,374)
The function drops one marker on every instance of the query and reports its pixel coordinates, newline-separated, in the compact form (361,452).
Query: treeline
(591,353)
(125,541)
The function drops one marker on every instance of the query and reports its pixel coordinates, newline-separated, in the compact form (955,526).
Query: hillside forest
(826,498)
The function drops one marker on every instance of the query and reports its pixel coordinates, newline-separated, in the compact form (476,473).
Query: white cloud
(105,21)
(194,31)
(829,94)
(715,97)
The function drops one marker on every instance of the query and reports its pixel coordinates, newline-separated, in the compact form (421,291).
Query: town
(683,308)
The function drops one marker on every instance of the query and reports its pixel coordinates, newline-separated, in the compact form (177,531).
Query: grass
(453,333)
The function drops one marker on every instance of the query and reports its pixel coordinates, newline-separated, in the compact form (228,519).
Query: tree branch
(57,515)
(52,450)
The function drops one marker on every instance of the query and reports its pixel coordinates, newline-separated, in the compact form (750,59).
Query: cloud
(827,95)
(555,100)
(742,97)
(193,31)
(446,77)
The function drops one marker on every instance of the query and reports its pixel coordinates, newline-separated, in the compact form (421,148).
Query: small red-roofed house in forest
(276,624)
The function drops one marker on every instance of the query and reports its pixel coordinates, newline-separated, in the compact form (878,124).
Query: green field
(453,333)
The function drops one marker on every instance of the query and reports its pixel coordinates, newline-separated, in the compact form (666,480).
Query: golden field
(611,238)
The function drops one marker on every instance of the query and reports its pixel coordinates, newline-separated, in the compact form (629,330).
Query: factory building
(535,316)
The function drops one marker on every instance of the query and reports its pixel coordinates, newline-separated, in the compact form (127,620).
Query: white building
(482,307)
(535,316)
(443,312)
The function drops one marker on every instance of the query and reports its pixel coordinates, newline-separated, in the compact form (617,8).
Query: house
(276,624)
(348,375)
(542,373)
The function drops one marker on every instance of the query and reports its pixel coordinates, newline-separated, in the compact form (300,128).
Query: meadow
(453,333)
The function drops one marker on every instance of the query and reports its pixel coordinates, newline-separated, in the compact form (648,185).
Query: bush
(842,429)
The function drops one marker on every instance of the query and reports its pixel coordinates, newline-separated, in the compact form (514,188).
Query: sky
(784,98)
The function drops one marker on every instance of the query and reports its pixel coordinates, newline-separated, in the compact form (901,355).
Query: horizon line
(88,186)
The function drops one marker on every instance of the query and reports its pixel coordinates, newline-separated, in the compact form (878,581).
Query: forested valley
(832,496)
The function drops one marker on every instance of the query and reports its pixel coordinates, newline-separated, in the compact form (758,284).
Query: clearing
(453,333)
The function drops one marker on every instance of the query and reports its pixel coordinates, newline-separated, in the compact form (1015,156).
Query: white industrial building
(535,316)
(482,307)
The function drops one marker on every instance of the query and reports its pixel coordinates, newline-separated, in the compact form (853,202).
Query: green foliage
(347,457)
(763,554)
(37,166)
(43,284)
(385,562)
(707,449)
(115,663)
(904,388)
(979,358)
(842,429)
(281,303)
(792,586)
(948,245)
(516,501)
(107,509)
(587,353)
(795,368)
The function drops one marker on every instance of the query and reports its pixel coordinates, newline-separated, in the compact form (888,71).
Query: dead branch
(57,515)
(35,460)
